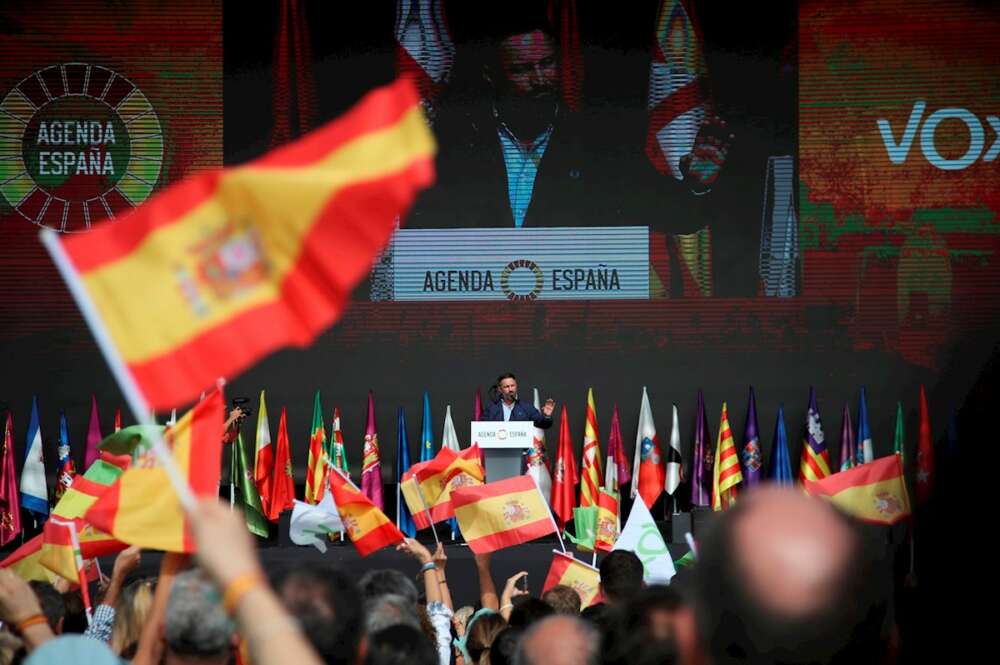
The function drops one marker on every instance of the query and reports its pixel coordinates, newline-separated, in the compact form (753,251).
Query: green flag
(585,523)
(899,438)
(246,496)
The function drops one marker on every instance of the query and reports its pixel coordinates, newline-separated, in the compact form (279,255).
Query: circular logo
(79,143)
(502,434)
(521,280)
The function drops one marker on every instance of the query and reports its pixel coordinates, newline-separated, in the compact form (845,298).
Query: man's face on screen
(508,389)
(529,65)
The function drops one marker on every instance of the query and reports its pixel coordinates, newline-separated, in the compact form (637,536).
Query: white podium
(503,444)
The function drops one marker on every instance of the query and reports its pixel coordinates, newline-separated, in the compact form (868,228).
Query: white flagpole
(551,517)
(126,382)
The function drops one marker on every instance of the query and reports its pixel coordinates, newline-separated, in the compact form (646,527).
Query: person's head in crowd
(782,577)
(74,650)
(327,605)
(400,645)
(642,629)
(504,645)
(599,615)
(131,611)
(197,629)
(480,632)
(76,613)
(563,599)
(559,640)
(621,576)
(53,605)
(390,610)
(528,610)
(388,581)
(426,625)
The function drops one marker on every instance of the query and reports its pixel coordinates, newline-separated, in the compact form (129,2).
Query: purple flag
(371,462)
(94,436)
(751,457)
(847,451)
(703,458)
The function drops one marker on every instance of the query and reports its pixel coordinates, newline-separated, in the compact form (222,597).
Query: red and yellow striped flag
(316,468)
(62,555)
(142,508)
(873,492)
(370,530)
(726,474)
(569,571)
(25,561)
(81,495)
(607,522)
(502,514)
(226,266)
(591,475)
(427,486)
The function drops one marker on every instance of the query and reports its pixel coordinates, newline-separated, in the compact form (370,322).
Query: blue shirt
(522,169)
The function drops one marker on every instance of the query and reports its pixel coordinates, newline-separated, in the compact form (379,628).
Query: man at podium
(506,406)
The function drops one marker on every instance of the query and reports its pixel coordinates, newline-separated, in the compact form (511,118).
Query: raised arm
(487,591)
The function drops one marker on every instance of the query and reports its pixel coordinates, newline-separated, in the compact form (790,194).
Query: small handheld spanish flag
(427,487)
(502,514)
(873,492)
(370,530)
(570,571)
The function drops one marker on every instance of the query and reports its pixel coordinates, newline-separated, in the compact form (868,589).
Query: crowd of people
(779,578)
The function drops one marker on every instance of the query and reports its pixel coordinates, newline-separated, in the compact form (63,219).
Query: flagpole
(126,382)
(423,503)
(551,517)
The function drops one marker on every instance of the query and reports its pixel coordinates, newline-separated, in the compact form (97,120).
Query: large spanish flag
(501,514)
(25,561)
(370,530)
(227,266)
(873,492)
(427,487)
(142,508)
(570,571)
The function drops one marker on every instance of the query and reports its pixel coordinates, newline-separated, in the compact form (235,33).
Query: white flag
(537,461)
(642,537)
(449,437)
(311,525)
(674,473)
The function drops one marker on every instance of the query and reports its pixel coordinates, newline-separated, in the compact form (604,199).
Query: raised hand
(549,407)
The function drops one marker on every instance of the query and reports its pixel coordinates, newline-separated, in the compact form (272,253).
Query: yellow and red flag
(263,463)
(427,487)
(591,475)
(606,532)
(316,469)
(726,474)
(25,561)
(569,571)
(226,266)
(501,514)
(61,554)
(873,492)
(142,507)
(370,530)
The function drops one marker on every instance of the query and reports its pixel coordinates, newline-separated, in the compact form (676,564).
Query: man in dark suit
(508,407)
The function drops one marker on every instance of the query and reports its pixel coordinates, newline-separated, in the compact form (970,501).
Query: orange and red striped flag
(591,474)
(226,266)
(873,492)
(726,473)
(316,469)
(142,507)
(427,487)
(370,530)
(501,514)
(569,571)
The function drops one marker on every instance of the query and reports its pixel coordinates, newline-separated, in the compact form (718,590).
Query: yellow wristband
(237,589)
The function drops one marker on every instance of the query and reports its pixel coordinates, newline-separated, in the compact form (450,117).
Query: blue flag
(863,440)
(426,432)
(780,468)
(404,521)
(34,490)
(751,456)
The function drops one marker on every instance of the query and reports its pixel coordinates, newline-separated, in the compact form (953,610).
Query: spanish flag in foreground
(873,492)
(370,530)
(427,487)
(501,514)
(226,266)
(570,571)
(142,508)
(25,561)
